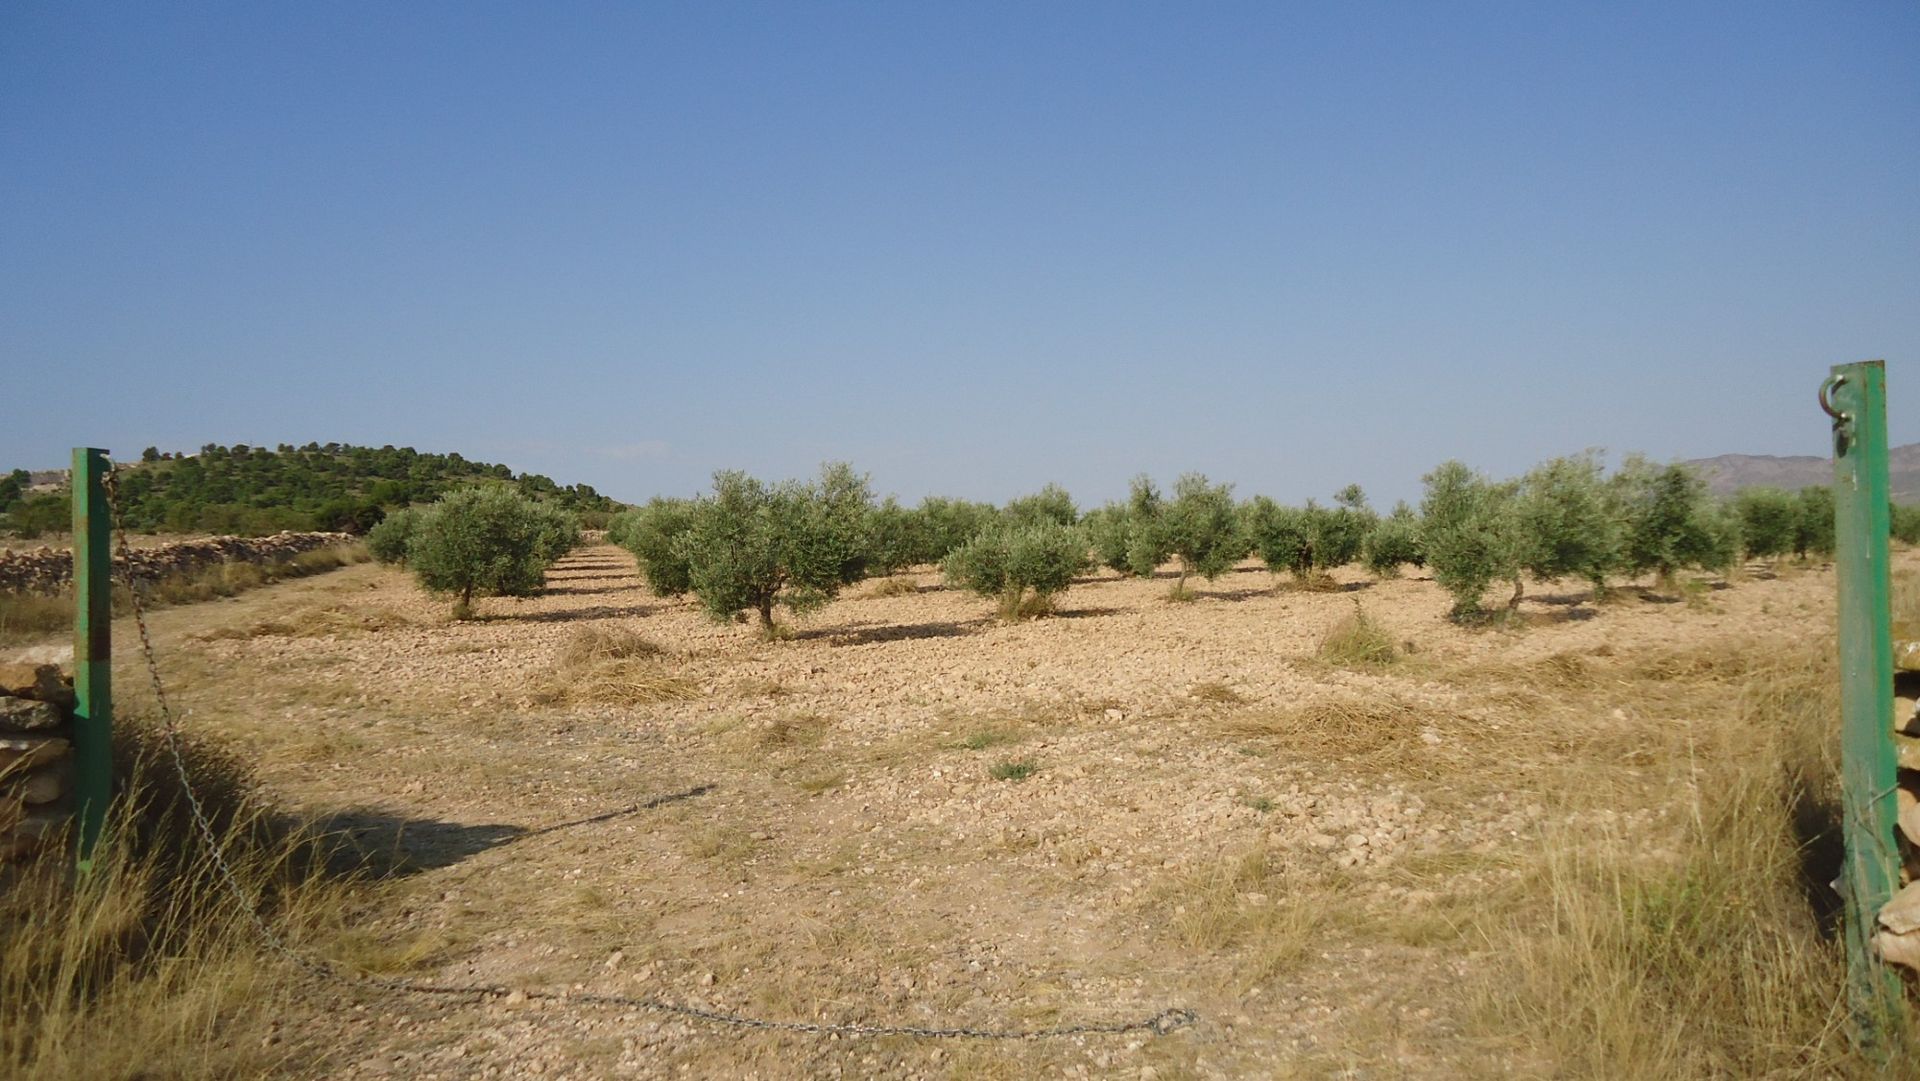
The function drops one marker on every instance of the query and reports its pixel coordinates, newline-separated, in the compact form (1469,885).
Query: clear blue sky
(971,248)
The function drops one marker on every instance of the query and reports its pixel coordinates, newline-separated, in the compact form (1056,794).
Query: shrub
(1813,529)
(486,541)
(1025,567)
(651,533)
(1393,541)
(1565,524)
(752,545)
(388,541)
(1466,531)
(1200,527)
(1147,542)
(1769,519)
(1049,504)
(1671,521)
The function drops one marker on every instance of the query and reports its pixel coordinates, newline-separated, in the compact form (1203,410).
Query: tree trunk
(1519,590)
(766,618)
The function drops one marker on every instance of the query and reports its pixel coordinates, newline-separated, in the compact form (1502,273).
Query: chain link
(1159,1024)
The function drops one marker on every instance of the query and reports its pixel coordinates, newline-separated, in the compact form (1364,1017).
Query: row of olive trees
(487,540)
(1567,519)
(752,547)
(749,546)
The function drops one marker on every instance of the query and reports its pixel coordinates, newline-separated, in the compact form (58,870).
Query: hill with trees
(247,490)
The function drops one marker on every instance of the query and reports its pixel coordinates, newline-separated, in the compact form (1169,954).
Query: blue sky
(971,248)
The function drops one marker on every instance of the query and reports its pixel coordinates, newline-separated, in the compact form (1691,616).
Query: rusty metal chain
(1162,1023)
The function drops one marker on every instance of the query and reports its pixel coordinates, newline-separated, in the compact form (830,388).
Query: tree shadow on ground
(570,615)
(384,845)
(1085,613)
(869,633)
(1234,596)
(584,590)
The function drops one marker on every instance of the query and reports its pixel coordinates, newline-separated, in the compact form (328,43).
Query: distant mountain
(1729,473)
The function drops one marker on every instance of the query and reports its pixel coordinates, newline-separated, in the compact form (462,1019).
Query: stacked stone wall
(48,571)
(36,757)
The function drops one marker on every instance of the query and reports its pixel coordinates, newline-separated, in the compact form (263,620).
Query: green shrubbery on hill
(253,490)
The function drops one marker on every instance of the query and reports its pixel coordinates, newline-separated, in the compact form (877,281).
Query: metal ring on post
(1826,403)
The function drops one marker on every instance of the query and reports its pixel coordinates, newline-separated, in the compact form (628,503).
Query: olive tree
(388,540)
(483,541)
(1280,535)
(1049,504)
(1107,531)
(1813,527)
(1769,520)
(1147,543)
(1467,534)
(1337,534)
(946,524)
(1671,522)
(1565,524)
(651,533)
(1200,527)
(1393,542)
(752,545)
(1024,567)
(897,537)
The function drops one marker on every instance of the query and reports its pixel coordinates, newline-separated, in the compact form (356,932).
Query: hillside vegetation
(248,491)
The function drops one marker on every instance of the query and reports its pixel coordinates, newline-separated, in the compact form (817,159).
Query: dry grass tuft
(1218,693)
(595,644)
(125,972)
(325,622)
(1358,641)
(614,666)
(1347,727)
(25,617)
(1240,905)
(793,730)
(1688,948)
(899,585)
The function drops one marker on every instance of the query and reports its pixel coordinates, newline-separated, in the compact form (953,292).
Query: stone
(1909,806)
(41,682)
(27,715)
(40,786)
(29,752)
(1902,950)
(1901,915)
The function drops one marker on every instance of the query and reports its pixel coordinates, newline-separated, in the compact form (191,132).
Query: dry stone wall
(47,571)
(36,757)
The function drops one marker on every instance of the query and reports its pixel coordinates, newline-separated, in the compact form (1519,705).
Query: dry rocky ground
(1215,817)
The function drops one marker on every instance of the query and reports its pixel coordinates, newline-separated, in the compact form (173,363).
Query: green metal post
(1855,395)
(92,648)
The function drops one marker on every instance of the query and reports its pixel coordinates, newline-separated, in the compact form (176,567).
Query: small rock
(26,715)
(1902,914)
(41,682)
(1115,715)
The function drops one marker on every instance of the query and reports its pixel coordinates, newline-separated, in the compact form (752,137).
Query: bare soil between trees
(1199,811)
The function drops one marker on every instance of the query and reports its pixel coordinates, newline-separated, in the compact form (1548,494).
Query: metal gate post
(92,649)
(1855,396)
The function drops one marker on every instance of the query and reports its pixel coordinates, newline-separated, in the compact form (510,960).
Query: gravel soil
(908,813)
